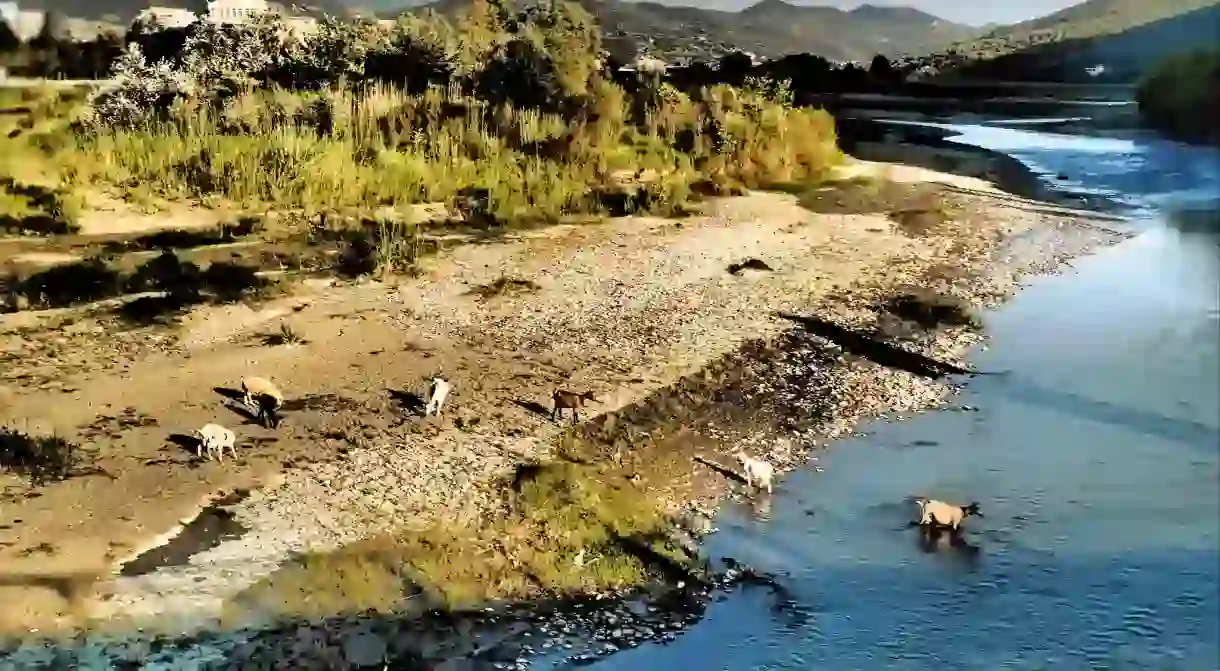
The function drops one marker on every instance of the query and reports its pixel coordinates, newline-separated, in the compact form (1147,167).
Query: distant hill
(1089,19)
(1102,17)
(1124,56)
(769,28)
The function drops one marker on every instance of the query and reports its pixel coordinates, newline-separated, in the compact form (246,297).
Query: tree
(9,42)
(54,30)
(734,67)
(883,72)
(881,68)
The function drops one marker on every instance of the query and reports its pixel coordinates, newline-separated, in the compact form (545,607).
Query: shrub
(42,459)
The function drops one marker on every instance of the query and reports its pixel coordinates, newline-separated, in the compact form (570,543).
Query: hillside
(1125,56)
(768,28)
(1089,19)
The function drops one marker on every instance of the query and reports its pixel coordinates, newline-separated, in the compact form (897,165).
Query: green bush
(511,99)
(1181,96)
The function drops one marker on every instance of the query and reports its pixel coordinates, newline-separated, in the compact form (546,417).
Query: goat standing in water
(437,393)
(939,513)
(759,473)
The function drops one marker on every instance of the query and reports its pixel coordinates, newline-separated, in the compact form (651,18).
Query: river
(1096,461)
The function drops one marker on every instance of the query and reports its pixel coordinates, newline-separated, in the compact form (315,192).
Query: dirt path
(621,308)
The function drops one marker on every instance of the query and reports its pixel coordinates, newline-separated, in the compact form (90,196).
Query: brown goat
(570,400)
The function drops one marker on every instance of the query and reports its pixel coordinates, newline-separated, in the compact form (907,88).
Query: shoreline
(857,383)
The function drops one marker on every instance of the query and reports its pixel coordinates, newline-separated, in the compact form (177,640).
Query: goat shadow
(534,407)
(237,406)
(884,354)
(932,539)
(726,472)
(408,401)
(189,444)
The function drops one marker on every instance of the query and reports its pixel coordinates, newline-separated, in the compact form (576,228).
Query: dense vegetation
(769,27)
(1181,97)
(52,54)
(514,105)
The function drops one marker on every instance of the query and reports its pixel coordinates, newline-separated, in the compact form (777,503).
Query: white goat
(214,438)
(437,394)
(262,395)
(940,513)
(759,473)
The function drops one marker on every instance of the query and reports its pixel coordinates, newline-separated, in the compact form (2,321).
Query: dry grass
(918,209)
(388,148)
(33,197)
(572,528)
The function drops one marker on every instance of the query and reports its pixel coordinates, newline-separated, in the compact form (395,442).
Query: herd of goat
(266,400)
(262,397)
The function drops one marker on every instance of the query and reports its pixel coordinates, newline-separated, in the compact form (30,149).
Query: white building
(236,11)
(167,17)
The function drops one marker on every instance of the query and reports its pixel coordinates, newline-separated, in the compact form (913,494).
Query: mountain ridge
(768,28)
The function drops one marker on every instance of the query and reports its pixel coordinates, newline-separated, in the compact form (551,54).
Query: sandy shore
(636,310)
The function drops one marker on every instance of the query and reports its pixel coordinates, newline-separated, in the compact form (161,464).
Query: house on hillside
(167,17)
(236,11)
(300,26)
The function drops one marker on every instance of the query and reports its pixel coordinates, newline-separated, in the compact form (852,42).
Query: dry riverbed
(686,360)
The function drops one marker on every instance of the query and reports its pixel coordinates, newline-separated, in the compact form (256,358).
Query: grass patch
(34,197)
(570,528)
(30,208)
(932,309)
(918,209)
(41,459)
(504,286)
(286,335)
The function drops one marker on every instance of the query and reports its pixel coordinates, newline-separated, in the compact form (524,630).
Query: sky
(970,12)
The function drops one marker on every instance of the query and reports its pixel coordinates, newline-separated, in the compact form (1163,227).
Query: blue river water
(1096,461)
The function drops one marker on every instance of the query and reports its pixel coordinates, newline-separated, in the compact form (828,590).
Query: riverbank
(683,312)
